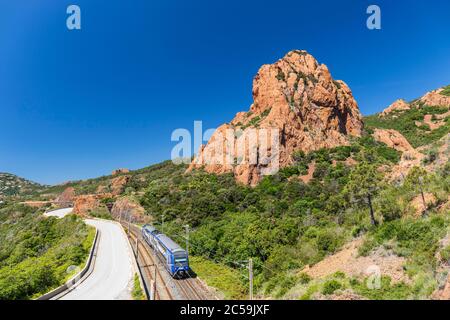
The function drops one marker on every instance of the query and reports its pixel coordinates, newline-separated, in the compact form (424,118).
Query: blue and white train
(175,258)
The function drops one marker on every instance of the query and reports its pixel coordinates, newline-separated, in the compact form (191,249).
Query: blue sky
(78,104)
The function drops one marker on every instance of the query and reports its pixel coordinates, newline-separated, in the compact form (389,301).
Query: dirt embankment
(348,261)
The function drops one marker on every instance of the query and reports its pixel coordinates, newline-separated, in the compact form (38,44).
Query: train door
(169,262)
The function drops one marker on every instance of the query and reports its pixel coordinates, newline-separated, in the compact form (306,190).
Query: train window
(180,258)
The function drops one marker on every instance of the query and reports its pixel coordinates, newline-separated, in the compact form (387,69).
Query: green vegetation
(138,180)
(12,185)
(282,223)
(281,76)
(36,252)
(367,288)
(445,254)
(377,153)
(446,91)
(364,183)
(227,280)
(386,290)
(416,240)
(404,122)
(254,122)
(331,286)
(102,213)
(137,293)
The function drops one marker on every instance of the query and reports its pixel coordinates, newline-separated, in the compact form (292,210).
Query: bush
(445,254)
(330,286)
(446,91)
(137,292)
(304,278)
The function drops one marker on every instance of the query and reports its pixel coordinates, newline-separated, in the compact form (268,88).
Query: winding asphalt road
(112,277)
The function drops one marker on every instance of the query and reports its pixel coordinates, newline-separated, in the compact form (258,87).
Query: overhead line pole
(250,277)
(129,218)
(187,239)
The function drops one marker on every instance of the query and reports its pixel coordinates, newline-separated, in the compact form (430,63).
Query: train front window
(180,260)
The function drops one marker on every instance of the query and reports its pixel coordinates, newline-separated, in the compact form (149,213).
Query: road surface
(60,213)
(112,277)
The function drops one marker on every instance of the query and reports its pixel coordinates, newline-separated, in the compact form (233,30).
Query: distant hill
(12,185)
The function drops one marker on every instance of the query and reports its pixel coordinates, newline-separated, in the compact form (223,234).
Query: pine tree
(364,184)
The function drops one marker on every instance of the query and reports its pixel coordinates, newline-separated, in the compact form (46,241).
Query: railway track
(150,270)
(167,288)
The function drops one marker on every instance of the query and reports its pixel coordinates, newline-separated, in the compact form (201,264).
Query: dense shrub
(35,252)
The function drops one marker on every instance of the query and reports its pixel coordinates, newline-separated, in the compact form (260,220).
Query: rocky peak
(296,96)
(398,105)
(438,97)
(119,171)
(67,196)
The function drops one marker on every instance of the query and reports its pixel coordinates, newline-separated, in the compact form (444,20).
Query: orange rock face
(67,196)
(296,106)
(398,105)
(121,170)
(118,184)
(85,203)
(125,207)
(435,98)
(393,139)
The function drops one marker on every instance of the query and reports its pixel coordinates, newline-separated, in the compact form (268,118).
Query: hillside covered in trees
(314,230)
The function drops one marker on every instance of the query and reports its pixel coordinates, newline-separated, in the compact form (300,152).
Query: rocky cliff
(302,108)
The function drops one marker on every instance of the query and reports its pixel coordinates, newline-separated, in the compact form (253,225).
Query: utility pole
(154,283)
(137,248)
(152,289)
(129,218)
(250,277)
(187,239)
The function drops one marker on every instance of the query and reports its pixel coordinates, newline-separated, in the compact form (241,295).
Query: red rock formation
(393,139)
(435,98)
(126,206)
(120,170)
(399,105)
(118,184)
(67,196)
(302,108)
(86,203)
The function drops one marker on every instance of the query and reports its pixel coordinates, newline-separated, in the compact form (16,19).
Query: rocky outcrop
(393,139)
(399,105)
(84,204)
(102,189)
(410,157)
(296,106)
(125,207)
(119,171)
(436,98)
(433,125)
(67,196)
(117,185)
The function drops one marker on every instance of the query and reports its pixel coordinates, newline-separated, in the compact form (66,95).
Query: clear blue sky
(77,104)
